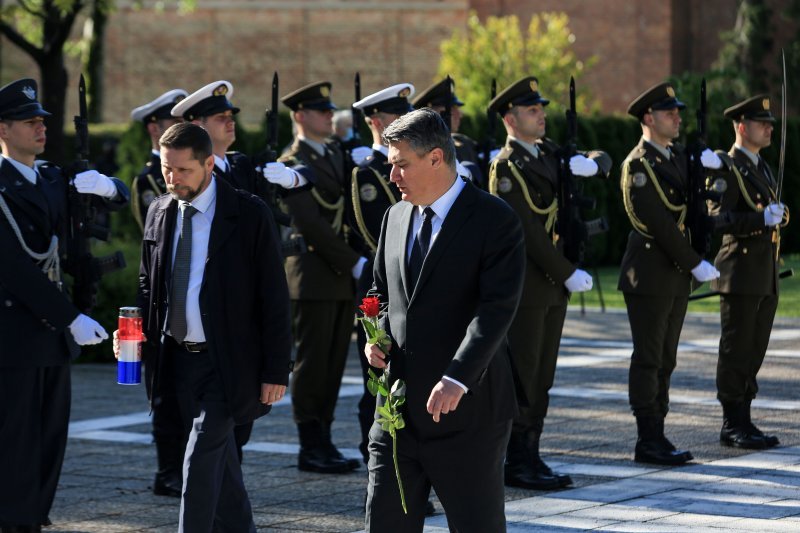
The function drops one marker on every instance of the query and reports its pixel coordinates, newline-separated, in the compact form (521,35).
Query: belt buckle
(194,347)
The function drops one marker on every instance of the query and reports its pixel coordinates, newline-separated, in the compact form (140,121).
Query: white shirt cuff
(358,267)
(451,380)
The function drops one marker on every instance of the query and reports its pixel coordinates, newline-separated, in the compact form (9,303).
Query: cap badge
(670,91)
(765,104)
(324,91)
(221,90)
(534,86)
(29,92)
(404,92)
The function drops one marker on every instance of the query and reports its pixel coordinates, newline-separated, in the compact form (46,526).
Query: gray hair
(423,130)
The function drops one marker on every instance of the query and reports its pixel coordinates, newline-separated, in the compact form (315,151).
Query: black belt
(193,347)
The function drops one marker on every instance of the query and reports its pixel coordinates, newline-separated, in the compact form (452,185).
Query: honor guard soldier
(658,265)
(321,281)
(436,97)
(149,183)
(211,108)
(169,432)
(526,175)
(371,194)
(749,217)
(40,329)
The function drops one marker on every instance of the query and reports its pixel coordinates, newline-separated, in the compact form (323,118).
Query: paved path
(589,433)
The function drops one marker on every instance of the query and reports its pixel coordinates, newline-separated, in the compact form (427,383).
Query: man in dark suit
(216,316)
(40,329)
(749,217)
(526,175)
(658,265)
(449,266)
(149,183)
(321,281)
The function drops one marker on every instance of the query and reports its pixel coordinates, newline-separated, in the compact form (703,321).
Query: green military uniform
(529,183)
(321,286)
(748,264)
(655,275)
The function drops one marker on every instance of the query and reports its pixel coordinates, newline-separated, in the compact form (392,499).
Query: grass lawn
(789,305)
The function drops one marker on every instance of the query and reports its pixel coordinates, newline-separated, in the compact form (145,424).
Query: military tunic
(146,186)
(655,275)
(748,283)
(530,185)
(320,281)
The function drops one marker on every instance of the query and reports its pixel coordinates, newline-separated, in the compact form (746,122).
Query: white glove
(86,331)
(773,214)
(710,160)
(705,271)
(579,281)
(286,177)
(92,182)
(581,165)
(461,170)
(494,153)
(360,153)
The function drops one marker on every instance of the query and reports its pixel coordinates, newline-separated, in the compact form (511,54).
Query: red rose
(371,307)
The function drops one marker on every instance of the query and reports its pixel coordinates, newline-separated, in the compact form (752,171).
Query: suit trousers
(465,469)
(656,322)
(34,418)
(214,496)
(746,326)
(323,330)
(534,338)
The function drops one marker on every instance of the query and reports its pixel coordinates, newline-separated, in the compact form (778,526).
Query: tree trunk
(95,32)
(53,92)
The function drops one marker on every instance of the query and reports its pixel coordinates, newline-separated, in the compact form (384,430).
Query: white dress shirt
(440,209)
(27,172)
(222,163)
(382,149)
(205,203)
(750,155)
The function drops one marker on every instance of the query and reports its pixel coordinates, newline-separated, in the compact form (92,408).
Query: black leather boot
(653,447)
(770,440)
(333,451)
(524,468)
(169,477)
(736,431)
(314,455)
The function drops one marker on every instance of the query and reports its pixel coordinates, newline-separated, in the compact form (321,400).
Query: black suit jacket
(34,313)
(244,302)
(455,321)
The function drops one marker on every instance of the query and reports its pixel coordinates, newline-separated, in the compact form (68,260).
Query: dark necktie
(420,247)
(180,276)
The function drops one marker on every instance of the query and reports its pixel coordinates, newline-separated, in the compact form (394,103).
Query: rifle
(489,141)
(700,224)
(448,104)
(86,270)
(294,244)
(573,229)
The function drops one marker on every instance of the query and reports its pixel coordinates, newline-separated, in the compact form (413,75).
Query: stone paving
(589,433)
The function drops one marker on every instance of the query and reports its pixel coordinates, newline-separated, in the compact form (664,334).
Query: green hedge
(616,135)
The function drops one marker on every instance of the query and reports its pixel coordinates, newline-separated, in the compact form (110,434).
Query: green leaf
(372,386)
(382,410)
(383,390)
(386,426)
(400,423)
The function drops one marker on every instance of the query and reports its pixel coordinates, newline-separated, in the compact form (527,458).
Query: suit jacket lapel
(225,215)
(402,244)
(164,224)
(451,226)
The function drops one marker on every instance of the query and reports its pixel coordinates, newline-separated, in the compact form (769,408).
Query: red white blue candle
(129,364)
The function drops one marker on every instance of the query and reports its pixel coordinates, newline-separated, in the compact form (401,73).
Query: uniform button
(647,245)
(744,250)
(52,328)
(310,248)
(8,303)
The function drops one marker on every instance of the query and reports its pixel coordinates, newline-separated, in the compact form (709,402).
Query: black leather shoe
(770,441)
(563,479)
(168,485)
(320,461)
(739,437)
(658,452)
(525,476)
(430,510)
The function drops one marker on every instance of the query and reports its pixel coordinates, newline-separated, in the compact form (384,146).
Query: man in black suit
(448,313)
(40,329)
(216,316)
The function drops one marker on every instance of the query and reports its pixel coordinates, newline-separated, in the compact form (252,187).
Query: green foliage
(499,49)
